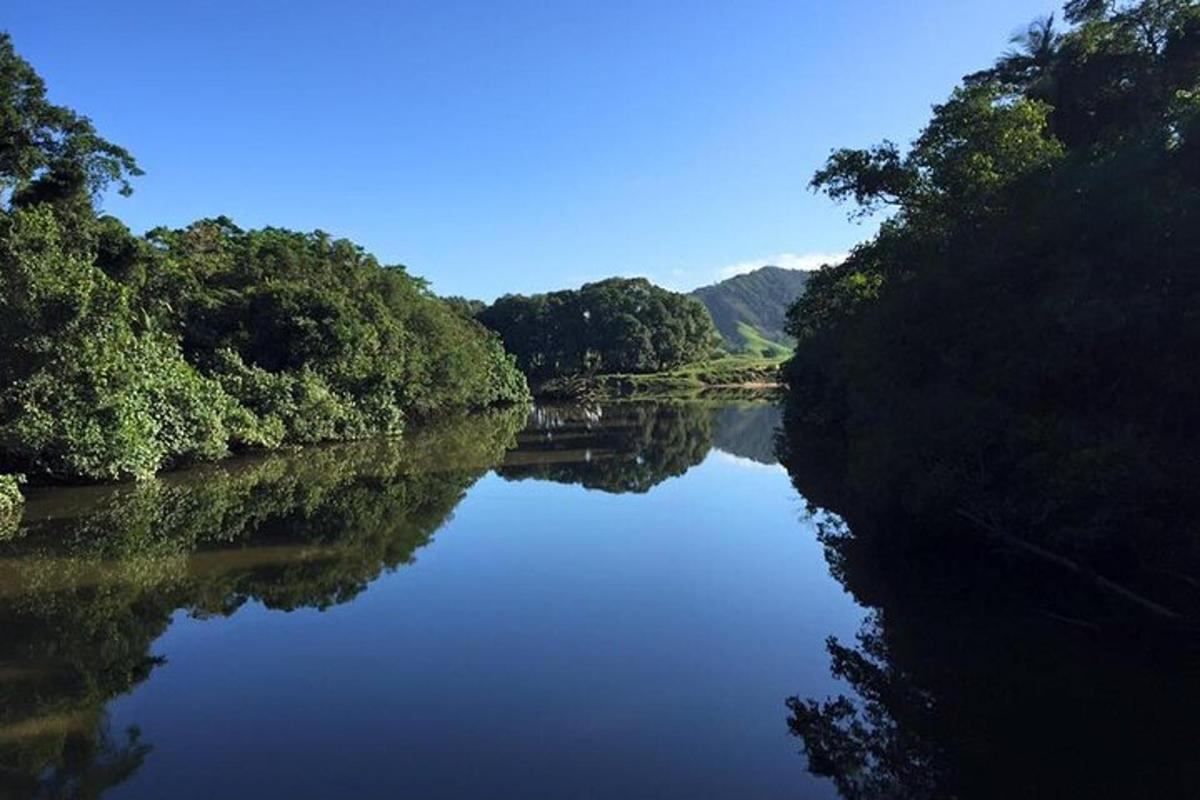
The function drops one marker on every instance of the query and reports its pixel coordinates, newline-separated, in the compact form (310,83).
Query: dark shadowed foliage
(994,396)
(978,677)
(1012,355)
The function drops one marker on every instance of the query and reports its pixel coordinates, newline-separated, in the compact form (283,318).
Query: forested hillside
(750,310)
(121,354)
(1012,357)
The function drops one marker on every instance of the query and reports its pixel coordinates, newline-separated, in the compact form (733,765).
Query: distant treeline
(121,355)
(619,325)
(1013,354)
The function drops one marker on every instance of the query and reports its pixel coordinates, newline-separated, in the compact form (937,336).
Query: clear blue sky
(510,145)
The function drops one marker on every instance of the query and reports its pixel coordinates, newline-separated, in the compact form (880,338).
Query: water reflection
(633,447)
(747,430)
(979,674)
(94,576)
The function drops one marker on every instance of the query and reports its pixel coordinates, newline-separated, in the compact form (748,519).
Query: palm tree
(1028,67)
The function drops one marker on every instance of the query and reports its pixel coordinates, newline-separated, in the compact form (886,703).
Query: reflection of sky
(552,641)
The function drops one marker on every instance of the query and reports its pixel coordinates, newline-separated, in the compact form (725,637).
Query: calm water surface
(613,602)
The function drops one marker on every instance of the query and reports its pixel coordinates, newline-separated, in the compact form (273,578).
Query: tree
(90,392)
(612,326)
(48,152)
(1007,358)
(123,355)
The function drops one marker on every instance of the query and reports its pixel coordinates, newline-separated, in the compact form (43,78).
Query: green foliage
(615,325)
(750,310)
(701,377)
(353,345)
(10,493)
(1015,345)
(49,153)
(124,355)
(730,377)
(11,501)
(91,393)
(465,306)
(981,141)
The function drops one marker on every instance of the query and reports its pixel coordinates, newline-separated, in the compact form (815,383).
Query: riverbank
(731,376)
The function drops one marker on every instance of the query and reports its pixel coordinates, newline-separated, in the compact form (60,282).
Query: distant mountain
(749,310)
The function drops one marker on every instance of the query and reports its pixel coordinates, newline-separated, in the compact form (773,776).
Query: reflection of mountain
(619,448)
(96,574)
(985,674)
(748,430)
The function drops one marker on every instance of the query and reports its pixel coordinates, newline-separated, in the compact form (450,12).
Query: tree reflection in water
(633,447)
(95,574)
(979,675)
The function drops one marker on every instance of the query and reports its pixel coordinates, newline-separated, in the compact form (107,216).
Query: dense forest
(1011,356)
(750,310)
(121,355)
(619,325)
(996,394)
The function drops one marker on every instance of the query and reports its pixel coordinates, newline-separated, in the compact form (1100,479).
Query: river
(612,601)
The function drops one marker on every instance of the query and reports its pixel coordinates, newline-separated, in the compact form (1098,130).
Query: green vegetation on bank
(619,325)
(122,355)
(11,501)
(997,396)
(750,310)
(1013,354)
(728,376)
(622,338)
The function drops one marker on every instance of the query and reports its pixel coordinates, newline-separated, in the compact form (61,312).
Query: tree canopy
(611,326)
(122,354)
(1014,347)
(48,152)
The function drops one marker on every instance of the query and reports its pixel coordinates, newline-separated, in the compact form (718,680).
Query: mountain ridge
(750,309)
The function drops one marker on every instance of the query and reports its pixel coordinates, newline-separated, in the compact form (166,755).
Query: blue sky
(511,145)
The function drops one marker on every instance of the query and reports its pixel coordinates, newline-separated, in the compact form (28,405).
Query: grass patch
(754,343)
(733,376)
